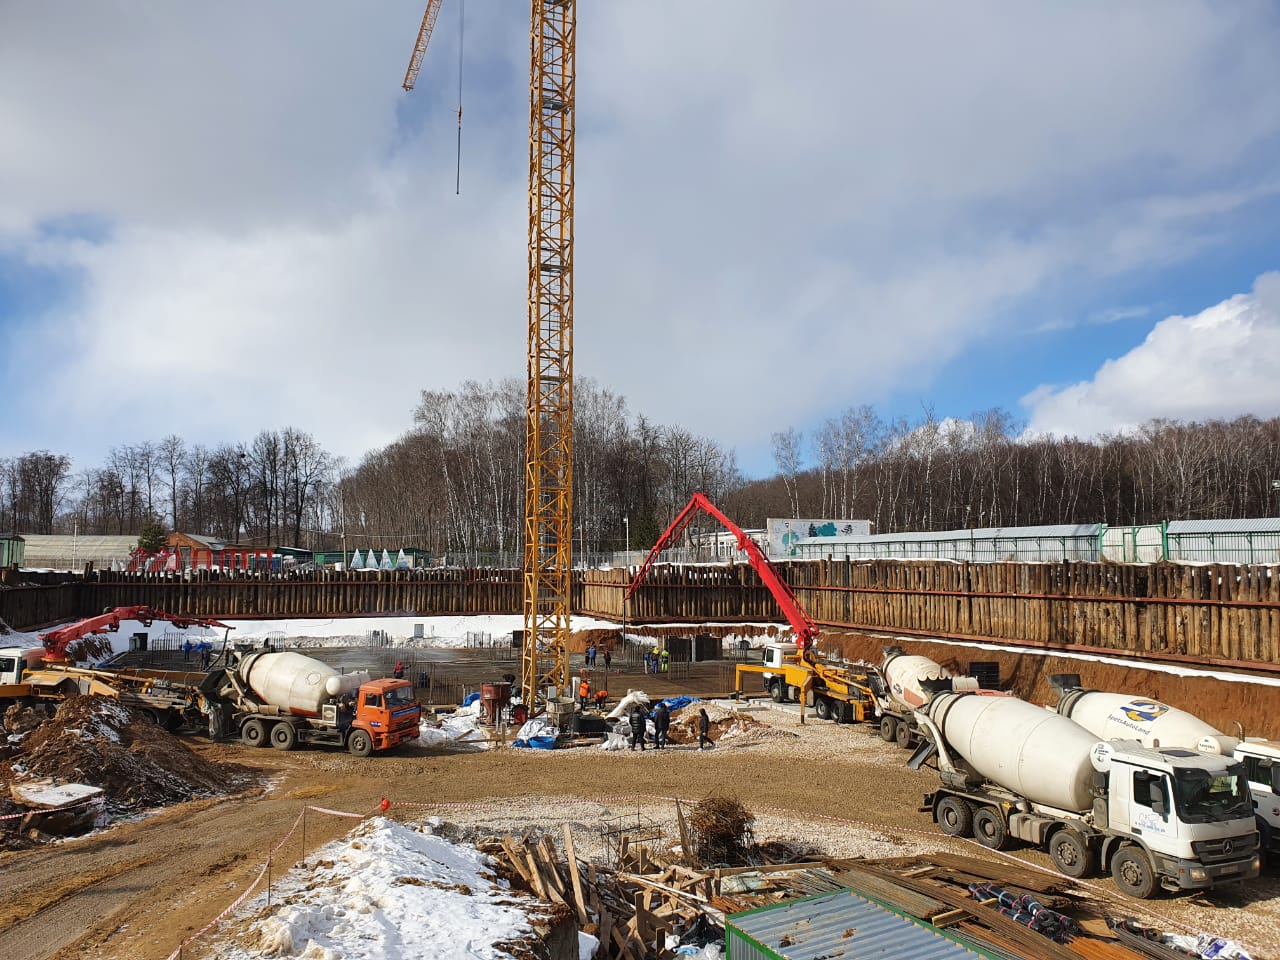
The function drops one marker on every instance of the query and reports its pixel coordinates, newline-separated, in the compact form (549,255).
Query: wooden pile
(653,896)
(631,908)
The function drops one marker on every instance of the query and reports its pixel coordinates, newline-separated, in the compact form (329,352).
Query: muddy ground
(140,888)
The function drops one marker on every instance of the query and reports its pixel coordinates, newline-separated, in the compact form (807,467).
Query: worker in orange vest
(584,692)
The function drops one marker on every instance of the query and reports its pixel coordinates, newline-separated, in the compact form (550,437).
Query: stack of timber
(650,901)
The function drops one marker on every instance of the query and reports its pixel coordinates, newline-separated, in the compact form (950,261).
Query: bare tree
(173,454)
(786,454)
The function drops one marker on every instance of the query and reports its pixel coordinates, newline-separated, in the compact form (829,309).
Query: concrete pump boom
(804,628)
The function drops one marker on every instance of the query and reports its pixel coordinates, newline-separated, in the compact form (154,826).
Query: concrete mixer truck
(283,699)
(905,684)
(1155,724)
(1172,819)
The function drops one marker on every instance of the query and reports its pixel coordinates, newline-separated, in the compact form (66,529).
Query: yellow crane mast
(548,522)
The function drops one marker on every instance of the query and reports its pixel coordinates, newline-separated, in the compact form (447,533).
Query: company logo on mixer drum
(1147,710)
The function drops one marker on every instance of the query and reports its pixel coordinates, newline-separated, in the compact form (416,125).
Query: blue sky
(210,216)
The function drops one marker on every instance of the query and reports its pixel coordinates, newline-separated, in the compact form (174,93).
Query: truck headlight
(1197,873)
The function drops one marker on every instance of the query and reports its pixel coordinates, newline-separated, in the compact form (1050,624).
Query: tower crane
(548,519)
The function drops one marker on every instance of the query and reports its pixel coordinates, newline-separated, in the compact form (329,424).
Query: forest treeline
(453,483)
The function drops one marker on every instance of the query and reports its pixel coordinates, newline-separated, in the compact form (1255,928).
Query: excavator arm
(56,641)
(805,630)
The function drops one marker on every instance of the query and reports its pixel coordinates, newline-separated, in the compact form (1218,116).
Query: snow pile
(444,632)
(390,891)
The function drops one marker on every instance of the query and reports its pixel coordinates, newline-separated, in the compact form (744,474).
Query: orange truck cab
(387,712)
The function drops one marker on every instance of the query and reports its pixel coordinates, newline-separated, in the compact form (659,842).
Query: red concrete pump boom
(56,641)
(805,629)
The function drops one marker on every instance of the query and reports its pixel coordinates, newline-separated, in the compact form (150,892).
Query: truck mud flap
(922,753)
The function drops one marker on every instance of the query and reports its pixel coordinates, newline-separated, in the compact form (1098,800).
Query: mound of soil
(103,743)
(725,724)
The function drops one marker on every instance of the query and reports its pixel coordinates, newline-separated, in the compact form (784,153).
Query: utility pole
(626,563)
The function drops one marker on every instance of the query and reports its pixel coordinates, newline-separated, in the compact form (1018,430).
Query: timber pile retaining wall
(1216,614)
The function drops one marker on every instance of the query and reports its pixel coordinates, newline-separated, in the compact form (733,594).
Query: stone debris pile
(99,743)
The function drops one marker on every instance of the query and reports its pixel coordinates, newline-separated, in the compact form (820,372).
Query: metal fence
(1248,541)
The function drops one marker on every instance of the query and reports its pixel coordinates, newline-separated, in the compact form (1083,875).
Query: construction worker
(601,698)
(666,658)
(637,723)
(584,692)
(661,723)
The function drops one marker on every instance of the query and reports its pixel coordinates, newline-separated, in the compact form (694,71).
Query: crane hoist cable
(415,65)
(462,29)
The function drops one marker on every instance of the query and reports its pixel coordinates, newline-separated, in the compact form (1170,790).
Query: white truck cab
(1261,760)
(1190,810)
(15,661)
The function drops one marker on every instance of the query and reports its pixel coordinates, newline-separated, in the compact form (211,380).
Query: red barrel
(493,697)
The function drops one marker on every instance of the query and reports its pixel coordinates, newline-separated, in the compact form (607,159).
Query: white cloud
(777,215)
(1223,362)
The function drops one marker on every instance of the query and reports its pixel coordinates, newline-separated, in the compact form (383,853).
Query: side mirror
(1275,779)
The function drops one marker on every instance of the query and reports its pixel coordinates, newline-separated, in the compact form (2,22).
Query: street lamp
(626,565)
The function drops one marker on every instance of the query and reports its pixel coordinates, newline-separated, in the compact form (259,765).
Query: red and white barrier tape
(69,806)
(235,905)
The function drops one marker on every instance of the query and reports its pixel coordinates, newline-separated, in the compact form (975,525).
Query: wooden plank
(653,885)
(619,937)
(574,878)
(686,848)
(606,926)
(771,868)
(550,862)
(509,845)
(535,877)
(591,880)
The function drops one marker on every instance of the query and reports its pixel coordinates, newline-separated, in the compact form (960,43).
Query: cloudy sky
(220,218)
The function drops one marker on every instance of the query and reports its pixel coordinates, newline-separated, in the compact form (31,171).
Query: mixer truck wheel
(888,729)
(822,708)
(254,733)
(360,744)
(283,736)
(1131,870)
(1070,854)
(988,828)
(954,816)
(777,691)
(903,735)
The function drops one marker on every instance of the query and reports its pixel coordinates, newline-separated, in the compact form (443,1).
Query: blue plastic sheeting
(471,698)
